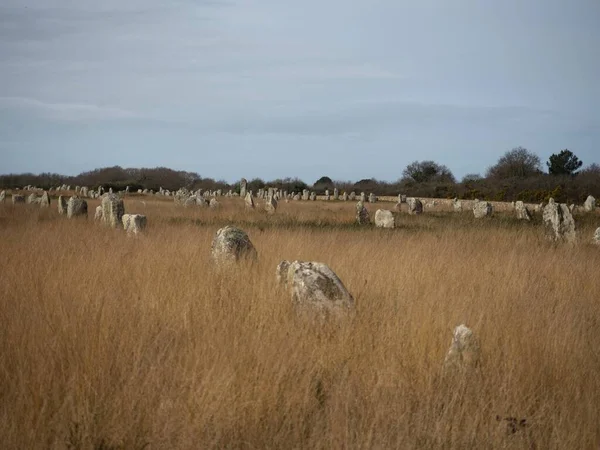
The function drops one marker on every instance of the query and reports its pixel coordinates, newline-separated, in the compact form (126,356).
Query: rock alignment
(482,209)
(464,351)
(315,286)
(231,244)
(590,204)
(559,222)
(362,214)
(384,219)
(415,206)
(62,205)
(112,210)
(76,207)
(522,211)
(134,223)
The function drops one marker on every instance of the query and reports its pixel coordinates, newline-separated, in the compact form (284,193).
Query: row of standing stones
(317,292)
(557,217)
(111,211)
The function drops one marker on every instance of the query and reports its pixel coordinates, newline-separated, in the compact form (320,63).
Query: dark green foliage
(564,163)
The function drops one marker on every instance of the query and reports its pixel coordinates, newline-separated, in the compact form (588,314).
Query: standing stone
(590,204)
(249,201)
(559,222)
(296,197)
(344,197)
(98,214)
(522,211)
(352,196)
(596,239)
(313,196)
(464,352)
(415,206)
(362,214)
(384,219)
(372,198)
(401,198)
(199,200)
(363,197)
(305,194)
(336,194)
(327,197)
(45,200)
(112,210)
(457,205)
(134,223)
(482,209)
(271,205)
(3,196)
(214,204)
(18,199)
(231,244)
(76,207)
(62,205)
(32,199)
(315,286)
(84,191)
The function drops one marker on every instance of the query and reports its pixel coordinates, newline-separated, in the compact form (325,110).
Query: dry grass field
(116,342)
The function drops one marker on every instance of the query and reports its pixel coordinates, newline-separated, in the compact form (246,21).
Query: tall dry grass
(110,342)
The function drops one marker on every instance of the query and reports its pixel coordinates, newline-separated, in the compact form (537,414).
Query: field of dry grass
(114,342)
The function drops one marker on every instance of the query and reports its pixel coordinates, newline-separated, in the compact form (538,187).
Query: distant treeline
(419,179)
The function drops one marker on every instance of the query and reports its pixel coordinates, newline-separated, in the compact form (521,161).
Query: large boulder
(18,199)
(231,244)
(596,238)
(33,199)
(522,211)
(98,215)
(559,222)
(384,219)
(464,351)
(243,187)
(457,205)
(482,209)
(2,196)
(314,285)
(590,204)
(362,214)
(76,207)
(134,223)
(415,206)
(372,198)
(249,201)
(62,205)
(214,203)
(112,210)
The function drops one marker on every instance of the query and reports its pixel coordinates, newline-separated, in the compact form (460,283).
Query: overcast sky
(276,88)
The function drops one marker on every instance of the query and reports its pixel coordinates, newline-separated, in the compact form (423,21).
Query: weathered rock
(315,286)
(271,205)
(344,197)
(214,204)
(33,199)
(98,215)
(3,196)
(415,206)
(112,210)
(363,197)
(305,194)
(249,201)
(384,219)
(336,194)
(482,209)
(464,352)
(231,244)
(596,238)
(372,198)
(76,207)
(18,199)
(457,205)
(352,196)
(590,204)
(62,204)
(522,211)
(559,222)
(45,200)
(362,214)
(134,223)
(313,196)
